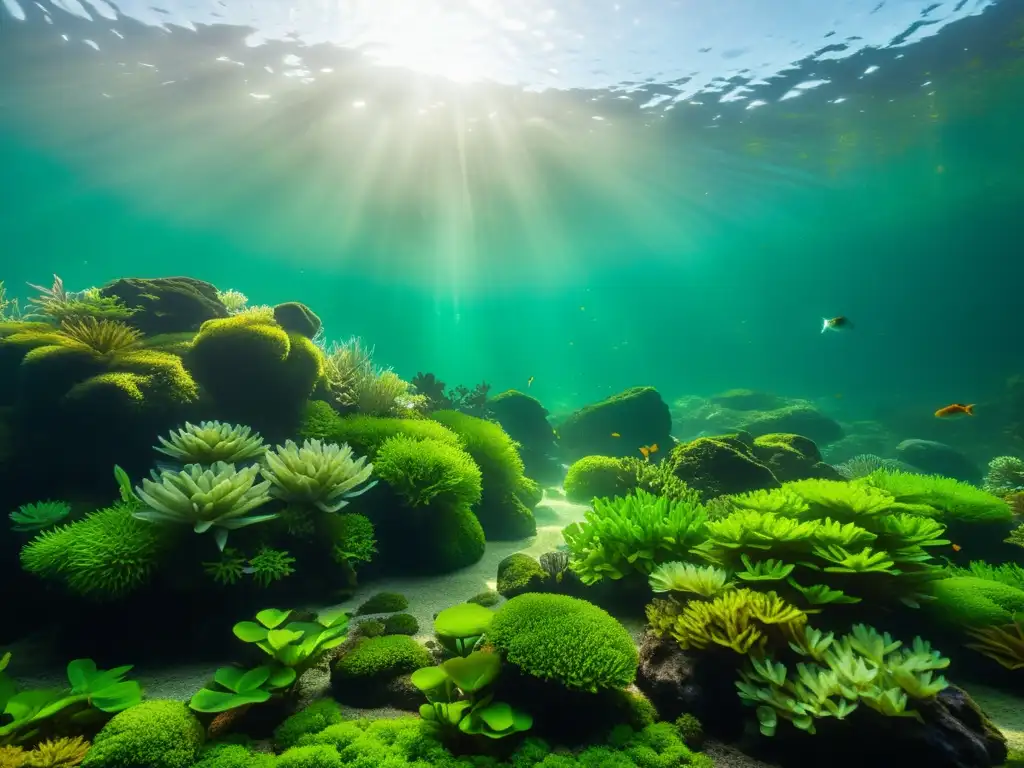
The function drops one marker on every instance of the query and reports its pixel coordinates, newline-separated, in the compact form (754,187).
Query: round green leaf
(428,678)
(427,712)
(271,618)
(80,672)
(281,677)
(279,638)
(498,716)
(253,679)
(465,620)
(474,672)
(219,701)
(250,632)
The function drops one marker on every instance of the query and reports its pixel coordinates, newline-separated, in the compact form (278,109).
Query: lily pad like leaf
(281,677)
(428,678)
(272,618)
(116,697)
(279,638)
(474,672)
(219,701)
(250,632)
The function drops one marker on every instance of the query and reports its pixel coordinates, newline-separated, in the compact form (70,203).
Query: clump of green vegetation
(38,516)
(598,477)
(367,434)
(157,734)
(401,624)
(385,656)
(487,598)
(936,496)
(383,602)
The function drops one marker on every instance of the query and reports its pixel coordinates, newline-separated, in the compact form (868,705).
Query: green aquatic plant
(1016,536)
(233,301)
(356,382)
(218,498)
(10,311)
(354,540)
(704,581)
(210,442)
(633,535)
(39,515)
(102,337)
(26,712)
(460,627)
(270,565)
(57,753)
(56,304)
(383,602)
(1010,574)
(227,570)
(460,697)
(425,472)
(321,474)
(1003,644)
(1004,475)
(943,497)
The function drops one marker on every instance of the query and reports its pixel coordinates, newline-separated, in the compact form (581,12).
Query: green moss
(595,477)
(312,719)
(428,472)
(714,468)
(382,657)
(501,510)
(366,434)
(975,602)
(401,624)
(106,555)
(957,502)
(383,602)
(234,756)
(371,628)
(487,598)
(594,650)
(519,573)
(638,416)
(155,734)
(313,756)
(691,730)
(455,540)
(296,317)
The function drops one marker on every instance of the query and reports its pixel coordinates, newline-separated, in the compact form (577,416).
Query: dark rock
(792,457)
(747,400)
(296,317)
(937,458)
(797,420)
(167,304)
(715,467)
(638,416)
(526,421)
(519,573)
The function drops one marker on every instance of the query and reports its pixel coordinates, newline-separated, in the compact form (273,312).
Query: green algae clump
(155,734)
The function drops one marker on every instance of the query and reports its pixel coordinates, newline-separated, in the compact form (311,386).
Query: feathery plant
(56,304)
(324,475)
(220,498)
(1002,644)
(1005,475)
(356,382)
(212,441)
(233,301)
(633,535)
(702,581)
(102,336)
(39,515)
(10,310)
(864,464)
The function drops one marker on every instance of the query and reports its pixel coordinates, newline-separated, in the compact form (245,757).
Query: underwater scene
(471,384)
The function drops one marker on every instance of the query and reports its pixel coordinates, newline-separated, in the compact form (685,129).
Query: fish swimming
(647,450)
(955,411)
(838,323)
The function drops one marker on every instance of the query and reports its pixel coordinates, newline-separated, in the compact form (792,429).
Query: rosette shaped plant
(220,498)
(211,441)
(324,475)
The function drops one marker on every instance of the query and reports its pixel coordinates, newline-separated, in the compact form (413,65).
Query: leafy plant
(460,627)
(242,687)
(633,535)
(321,474)
(460,696)
(57,753)
(27,713)
(705,581)
(40,515)
(270,565)
(211,441)
(102,337)
(1003,644)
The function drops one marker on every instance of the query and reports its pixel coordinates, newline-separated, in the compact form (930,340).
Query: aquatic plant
(632,535)
(10,311)
(425,472)
(381,657)
(594,650)
(702,581)
(353,540)
(57,753)
(460,627)
(864,464)
(383,602)
(460,697)
(28,711)
(401,624)
(306,722)
(157,733)
(101,336)
(1004,475)
(210,442)
(323,475)
(863,667)
(270,565)
(1003,644)
(1005,573)
(233,301)
(38,515)
(56,304)
(937,496)
(227,570)
(1016,536)
(595,477)
(356,382)
(219,498)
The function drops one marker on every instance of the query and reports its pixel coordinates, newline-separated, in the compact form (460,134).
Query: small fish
(955,411)
(957,547)
(839,323)
(616,434)
(647,450)
(529,381)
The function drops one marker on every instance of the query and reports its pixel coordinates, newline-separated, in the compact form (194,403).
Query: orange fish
(616,434)
(647,450)
(955,410)
(957,547)
(839,323)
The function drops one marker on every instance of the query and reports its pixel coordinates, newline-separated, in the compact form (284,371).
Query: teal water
(633,194)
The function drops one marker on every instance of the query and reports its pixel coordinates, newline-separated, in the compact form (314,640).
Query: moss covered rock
(937,458)
(747,400)
(367,434)
(638,416)
(519,573)
(154,734)
(715,467)
(365,674)
(166,304)
(296,317)
(526,421)
(792,457)
(595,477)
(799,419)
(502,509)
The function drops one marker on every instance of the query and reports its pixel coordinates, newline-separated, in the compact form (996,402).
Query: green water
(484,232)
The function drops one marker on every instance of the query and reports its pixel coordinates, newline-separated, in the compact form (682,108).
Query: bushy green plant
(427,471)
(632,535)
(1010,574)
(25,713)
(1004,475)
(38,516)
(156,734)
(384,656)
(234,756)
(383,602)
(595,477)
(367,434)
(706,581)
(323,475)
(460,627)
(312,719)
(568,641)
(211,441)
(401,624)
(953,500)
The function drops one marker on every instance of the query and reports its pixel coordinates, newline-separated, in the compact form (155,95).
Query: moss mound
(638,416)
(155,734)
(519,573)
(367,434)
(974,602)
(718,466)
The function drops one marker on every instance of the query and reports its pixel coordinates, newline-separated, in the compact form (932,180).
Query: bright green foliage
(313,756)
(632,535)
(57,304)
(520,573)
(976,602)
(234,756)
(740,619)
(459,695)
(156,734)
(228,569)
(460,627)
(691,729)
(1005,474)
(1007,573)
(401,624)
(270,565)
(565,640)
(864,667)
(211,441)
(426,471)
(296,645)
(383,602)
(26,712)
(237,687)
(382,657)
(354,539)
(955,501)
(312,719)
(38,516)
(595,477)
(106,555)
(218,498)
(323,475)
(367,434)
(703,581)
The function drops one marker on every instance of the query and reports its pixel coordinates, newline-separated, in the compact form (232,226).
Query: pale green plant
(233,301)
(211,441)
(704,581)
(324,475)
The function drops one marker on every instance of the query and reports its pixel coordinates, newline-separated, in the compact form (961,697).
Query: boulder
(792,457)
(296,317)
(519,573)
(166,304)
(800,419)
(617,426)
(719,466)
(936,458)
(526,421)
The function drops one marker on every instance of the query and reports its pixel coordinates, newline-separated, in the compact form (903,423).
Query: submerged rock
(167,304)
(792,457)
(526,421)
(638,416)
(937,458)
(519,573)
(719,466)
(296,317)
(747,400)
(794,419)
